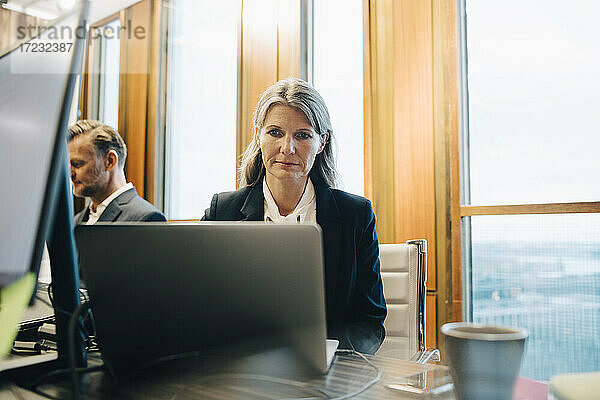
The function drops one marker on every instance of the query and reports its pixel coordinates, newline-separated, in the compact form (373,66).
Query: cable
(84,300)
(90,337)
(63,371)
(51,297)
(83,295)
(161,360)
(46,395)
(16,393)
(46,302)
(50,290)
(73,323)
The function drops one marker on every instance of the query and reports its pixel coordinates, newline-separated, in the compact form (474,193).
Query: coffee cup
(484,360)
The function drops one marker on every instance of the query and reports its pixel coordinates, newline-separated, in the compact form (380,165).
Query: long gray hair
(299,94)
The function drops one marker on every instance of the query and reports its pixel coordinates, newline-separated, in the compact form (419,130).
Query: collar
(307,201)
(253,207)
(102,206)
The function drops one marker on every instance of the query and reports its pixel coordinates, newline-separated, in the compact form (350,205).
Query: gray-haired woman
(288,175)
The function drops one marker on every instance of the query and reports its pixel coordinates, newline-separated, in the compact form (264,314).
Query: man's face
(88,173)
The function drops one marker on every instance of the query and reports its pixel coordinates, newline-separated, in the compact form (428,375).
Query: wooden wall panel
(157,55)
(413,127)
(431,321)
(133,92)
(411,133)
(288,39)
(142,59)
(269,51)
(10,22)
(399,174)
(379,134)
(258,62)
(85,92)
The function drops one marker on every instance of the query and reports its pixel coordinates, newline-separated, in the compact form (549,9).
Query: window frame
(466,209)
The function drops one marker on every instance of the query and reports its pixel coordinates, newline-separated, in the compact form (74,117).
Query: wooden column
(411,119)
(446,133)
(399,135)
(141,60)
(133,90)
(155,118)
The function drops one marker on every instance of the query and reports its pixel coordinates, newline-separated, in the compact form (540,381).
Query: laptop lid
(166,289)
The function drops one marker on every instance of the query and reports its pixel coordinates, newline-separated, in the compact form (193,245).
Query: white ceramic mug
(484,359)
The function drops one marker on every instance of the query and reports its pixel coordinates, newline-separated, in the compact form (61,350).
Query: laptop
(236,291)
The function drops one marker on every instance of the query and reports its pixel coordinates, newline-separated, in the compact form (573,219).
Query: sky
(534,96)
(534,101)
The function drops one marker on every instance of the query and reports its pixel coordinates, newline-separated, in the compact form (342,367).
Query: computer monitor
(36,90)
(34,98)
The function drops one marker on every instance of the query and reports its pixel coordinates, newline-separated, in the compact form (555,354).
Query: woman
(288,175)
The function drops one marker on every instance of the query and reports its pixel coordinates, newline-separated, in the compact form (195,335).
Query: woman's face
(289,144)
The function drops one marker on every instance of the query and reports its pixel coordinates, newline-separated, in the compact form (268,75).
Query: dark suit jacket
(128,206)
(354,293)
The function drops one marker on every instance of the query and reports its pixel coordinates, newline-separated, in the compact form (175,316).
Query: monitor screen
(34,78)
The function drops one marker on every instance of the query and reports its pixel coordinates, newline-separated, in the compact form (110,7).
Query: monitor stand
(65,285)
(65,270)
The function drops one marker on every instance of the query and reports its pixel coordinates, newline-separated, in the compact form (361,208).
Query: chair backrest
(404,274)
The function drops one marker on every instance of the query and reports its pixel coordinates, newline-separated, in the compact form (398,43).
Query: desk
(181,381)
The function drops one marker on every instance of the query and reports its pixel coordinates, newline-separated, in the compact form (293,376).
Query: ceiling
(51,9)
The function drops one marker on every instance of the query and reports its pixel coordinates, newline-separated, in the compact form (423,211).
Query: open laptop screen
(165,289)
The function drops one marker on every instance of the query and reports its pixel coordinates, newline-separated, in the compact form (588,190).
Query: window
(338,76)
(201,104)
(530,158)
(106,47)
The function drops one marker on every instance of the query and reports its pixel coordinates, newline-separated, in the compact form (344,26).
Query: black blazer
(127,206)
(354,293)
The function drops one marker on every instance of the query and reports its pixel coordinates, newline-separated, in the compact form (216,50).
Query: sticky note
(14,300)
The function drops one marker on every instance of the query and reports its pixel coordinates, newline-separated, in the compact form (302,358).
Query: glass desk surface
(348,373)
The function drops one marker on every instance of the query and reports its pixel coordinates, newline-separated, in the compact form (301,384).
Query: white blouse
(305,211)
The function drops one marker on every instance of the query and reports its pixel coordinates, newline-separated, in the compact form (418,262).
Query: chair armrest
(425,356)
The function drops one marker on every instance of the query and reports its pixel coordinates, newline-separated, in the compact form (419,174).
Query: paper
(582,386)
(529,389)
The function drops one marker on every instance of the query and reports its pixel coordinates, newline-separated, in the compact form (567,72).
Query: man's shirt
(94,216)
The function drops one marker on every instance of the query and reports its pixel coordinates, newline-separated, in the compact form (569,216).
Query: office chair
(404,274)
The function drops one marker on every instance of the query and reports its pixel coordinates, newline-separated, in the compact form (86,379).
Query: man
(97,154)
